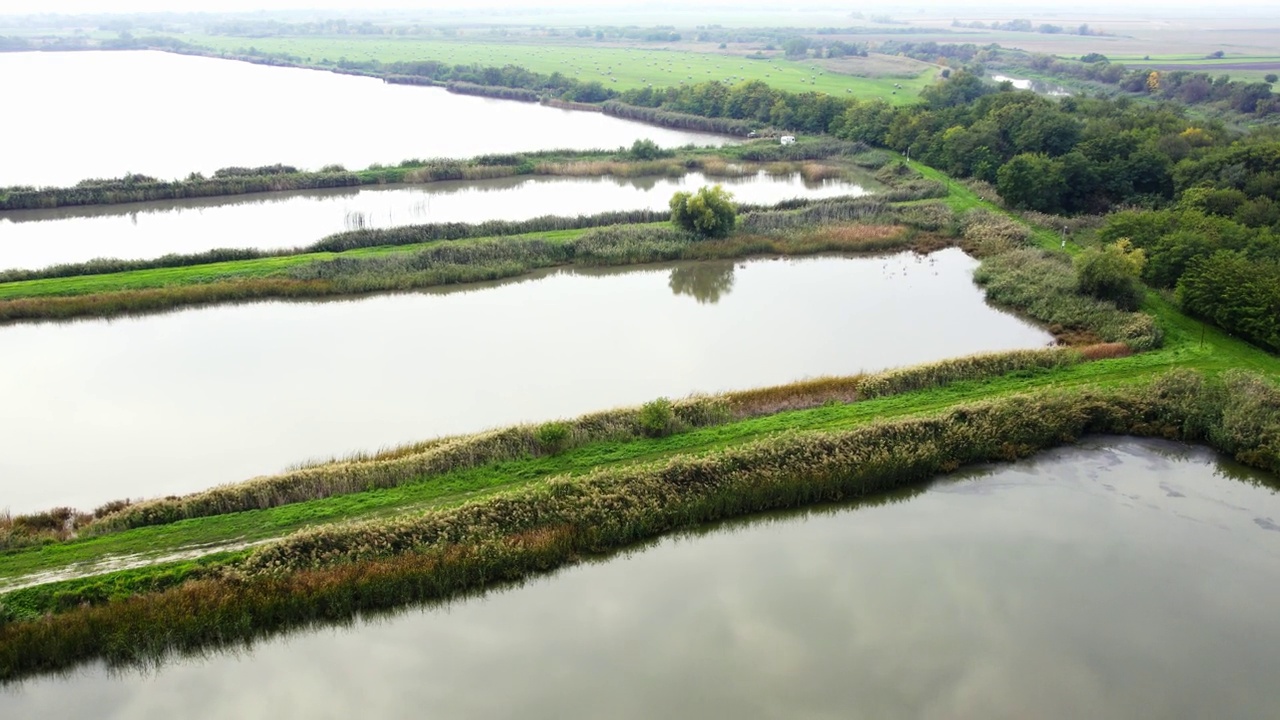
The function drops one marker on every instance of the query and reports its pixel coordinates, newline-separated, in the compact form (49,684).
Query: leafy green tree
(1032,181)
(1082,183)
(796,47)
(1112,274)
(1236,293)
(709,212)
(1258,212)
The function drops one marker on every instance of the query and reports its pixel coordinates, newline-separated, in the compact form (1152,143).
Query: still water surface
(175,403)
(104,114)
(1040,87)
(1119,579)
(32,239)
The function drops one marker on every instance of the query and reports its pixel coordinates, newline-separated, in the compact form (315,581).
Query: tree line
(1187,87)
(1218,247)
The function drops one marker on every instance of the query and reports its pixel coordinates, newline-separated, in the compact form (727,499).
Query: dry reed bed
(712,167)
(417,462)
(332,574)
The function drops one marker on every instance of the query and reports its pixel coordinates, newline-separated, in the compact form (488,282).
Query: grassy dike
(457,515)
(641,160)
(430,255)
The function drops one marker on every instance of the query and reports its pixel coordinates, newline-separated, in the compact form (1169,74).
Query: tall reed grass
(678,120)
(493,91)
(1043,286)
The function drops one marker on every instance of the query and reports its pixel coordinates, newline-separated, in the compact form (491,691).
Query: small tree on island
(709,212)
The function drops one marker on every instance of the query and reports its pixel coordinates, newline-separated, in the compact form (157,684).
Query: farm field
(1253,68)
(1126,36)
(620,68)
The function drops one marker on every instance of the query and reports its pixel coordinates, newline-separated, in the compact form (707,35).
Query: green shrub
(710,212)
(657,418)
(1112,274)
(646,149)
(552,436)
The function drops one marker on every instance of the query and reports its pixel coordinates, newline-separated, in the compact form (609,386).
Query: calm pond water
(1118,579)
(1039,87)
(175,403)
(104,114)
(33,239)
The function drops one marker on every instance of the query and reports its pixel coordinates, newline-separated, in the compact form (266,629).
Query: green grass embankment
(224,271)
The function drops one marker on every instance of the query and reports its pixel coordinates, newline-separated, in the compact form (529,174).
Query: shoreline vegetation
(643,158)
(410,257)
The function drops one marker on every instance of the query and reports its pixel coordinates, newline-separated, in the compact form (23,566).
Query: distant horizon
(928,8)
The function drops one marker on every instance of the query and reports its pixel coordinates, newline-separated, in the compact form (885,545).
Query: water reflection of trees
(706,282)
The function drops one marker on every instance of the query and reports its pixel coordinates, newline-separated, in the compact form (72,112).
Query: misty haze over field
(1149,8)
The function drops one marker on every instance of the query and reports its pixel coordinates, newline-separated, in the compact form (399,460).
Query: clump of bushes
(54,525)
(553,436)
(1111,273)
(657,418)
(709,212)
(646,149)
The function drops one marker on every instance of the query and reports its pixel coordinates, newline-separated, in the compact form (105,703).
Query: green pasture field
(617,68)
(1266,64)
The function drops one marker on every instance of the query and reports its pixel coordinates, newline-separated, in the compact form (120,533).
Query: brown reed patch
(1075,337)
(487,172)
(111,304)
(719,167)
(796,396)
(598,168)
(1105,351)
(817,172)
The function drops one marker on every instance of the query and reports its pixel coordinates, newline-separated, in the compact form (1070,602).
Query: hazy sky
(1154,7)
